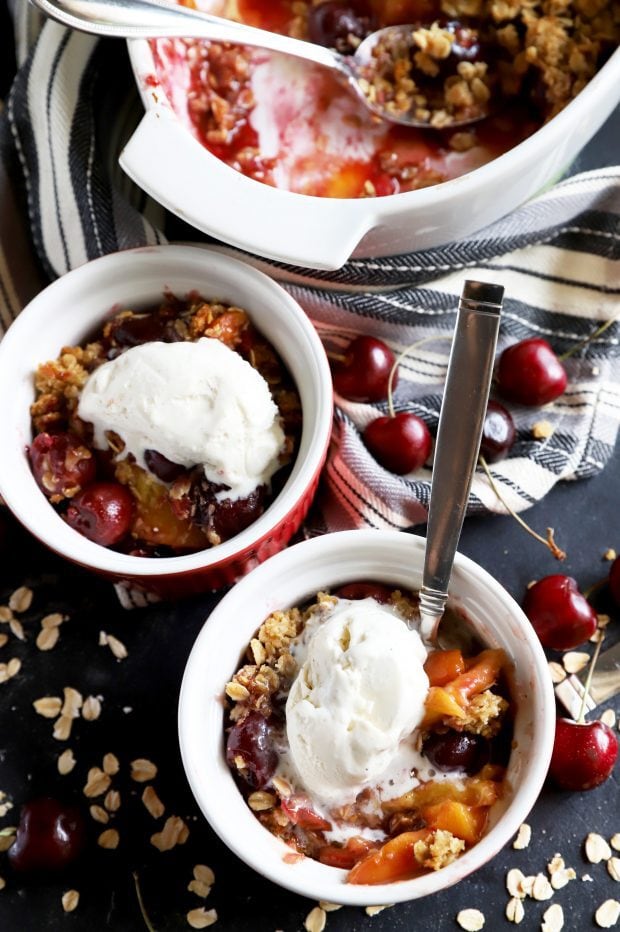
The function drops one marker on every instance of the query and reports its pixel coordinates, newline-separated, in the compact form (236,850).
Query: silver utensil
(151,19)
(468,382)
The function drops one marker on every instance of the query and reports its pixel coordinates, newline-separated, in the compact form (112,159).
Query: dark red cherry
(250,740)
(614,580)
(162,467)
(136,329)
(560,614)
(61,464)
(498,432)
(103,512)
(456,750)
(401,443)
(332,24)
(584,754)
(364,590)
(50,835)
(530,373)
(364,372)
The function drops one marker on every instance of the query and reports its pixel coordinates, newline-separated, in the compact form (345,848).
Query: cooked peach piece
(466,822)
(474,792)
(482,675)
(394,861)
(443,666)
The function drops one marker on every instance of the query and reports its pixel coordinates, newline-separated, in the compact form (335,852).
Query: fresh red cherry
(363,373)
(401,443)
(530,373)
(614,580)
(61,464)
(49,836)
(498,432)
(103,512)
(584,754)
(561,615)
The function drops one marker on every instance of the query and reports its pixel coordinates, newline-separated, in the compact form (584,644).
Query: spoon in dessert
(371,71)
(463,409)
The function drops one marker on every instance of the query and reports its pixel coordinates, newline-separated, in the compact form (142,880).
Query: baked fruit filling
(170,432)
(361,749)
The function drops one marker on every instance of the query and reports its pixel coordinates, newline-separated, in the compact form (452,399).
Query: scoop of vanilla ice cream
(196,403)
(358,694)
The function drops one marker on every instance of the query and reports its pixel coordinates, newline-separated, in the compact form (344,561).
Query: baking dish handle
(169,164)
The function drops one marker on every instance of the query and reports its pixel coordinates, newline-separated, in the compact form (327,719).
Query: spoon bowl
(151,19)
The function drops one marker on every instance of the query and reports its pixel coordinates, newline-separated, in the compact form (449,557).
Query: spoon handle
(468,383)
(151,19)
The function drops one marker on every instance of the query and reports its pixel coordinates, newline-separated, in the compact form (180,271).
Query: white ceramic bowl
(69,310)
(172,166)
(290,578)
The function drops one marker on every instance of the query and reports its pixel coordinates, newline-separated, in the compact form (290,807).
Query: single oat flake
(375,910)
(143,770)
(91,710)
(21,599)
(514,910)
(97,784)
(557,671)
(607,914)
(204,874)
(110,765)
(613,868)
(109,839)
(152,802)
(523,838)
(315,920)
(553,919)
(332,907)
(575,660)
(609,718)
(615,842)
(47,638)
(48,706)
(199,888)
(472,920)
(70,900)
(201,918)
(66,762)
(597,849)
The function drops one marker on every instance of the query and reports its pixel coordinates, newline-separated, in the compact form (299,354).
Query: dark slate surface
(139,720)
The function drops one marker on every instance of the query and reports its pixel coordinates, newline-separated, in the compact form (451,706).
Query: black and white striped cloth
(63,201)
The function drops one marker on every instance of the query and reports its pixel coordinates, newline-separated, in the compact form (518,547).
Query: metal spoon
(468,382)
(151,19)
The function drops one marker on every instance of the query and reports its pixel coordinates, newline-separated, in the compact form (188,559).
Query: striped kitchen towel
(63,200)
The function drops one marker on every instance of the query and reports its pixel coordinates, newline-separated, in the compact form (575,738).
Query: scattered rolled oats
(97,784)
(73,702)
(260,801)
(514,910)
(609,718)
(204,874)
(472,920)
(112,801)
(6,840)
(4,638)
(174,832)
(613,867)
(47,638)
(523,838)
(53,620)
(48,706)
(331,907)
(575,660)
(91,709)
(5,614)
(597,849)
(66,762)
(62,727)
(117,647)
(542,889)
(152,802)
(13,667)
(21,599)
(17,629)
(70,900)
(557,671)
(315,920)
(375,910)
(99,814)
(607,914)
(2,883)
(514,882)
(201,918)
(553,919)
(610,554)
(615,842)
(109,839)
(199,888)
(143,770)
(111,765)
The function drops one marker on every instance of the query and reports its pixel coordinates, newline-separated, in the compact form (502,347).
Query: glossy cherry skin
(614,580)
(250,740)
(584,754)
(49,836)
(456,751)
(61,464)
(364,373)
(560,614)
(498,433)
(401,443)
(332,23)
(530,373)
(103,512)
(365,590)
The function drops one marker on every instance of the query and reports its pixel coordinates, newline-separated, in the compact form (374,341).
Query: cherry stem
(147,921)
(594,588)
(596,333)
(399,359)
(337,357)
(586,686)
(548,541)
